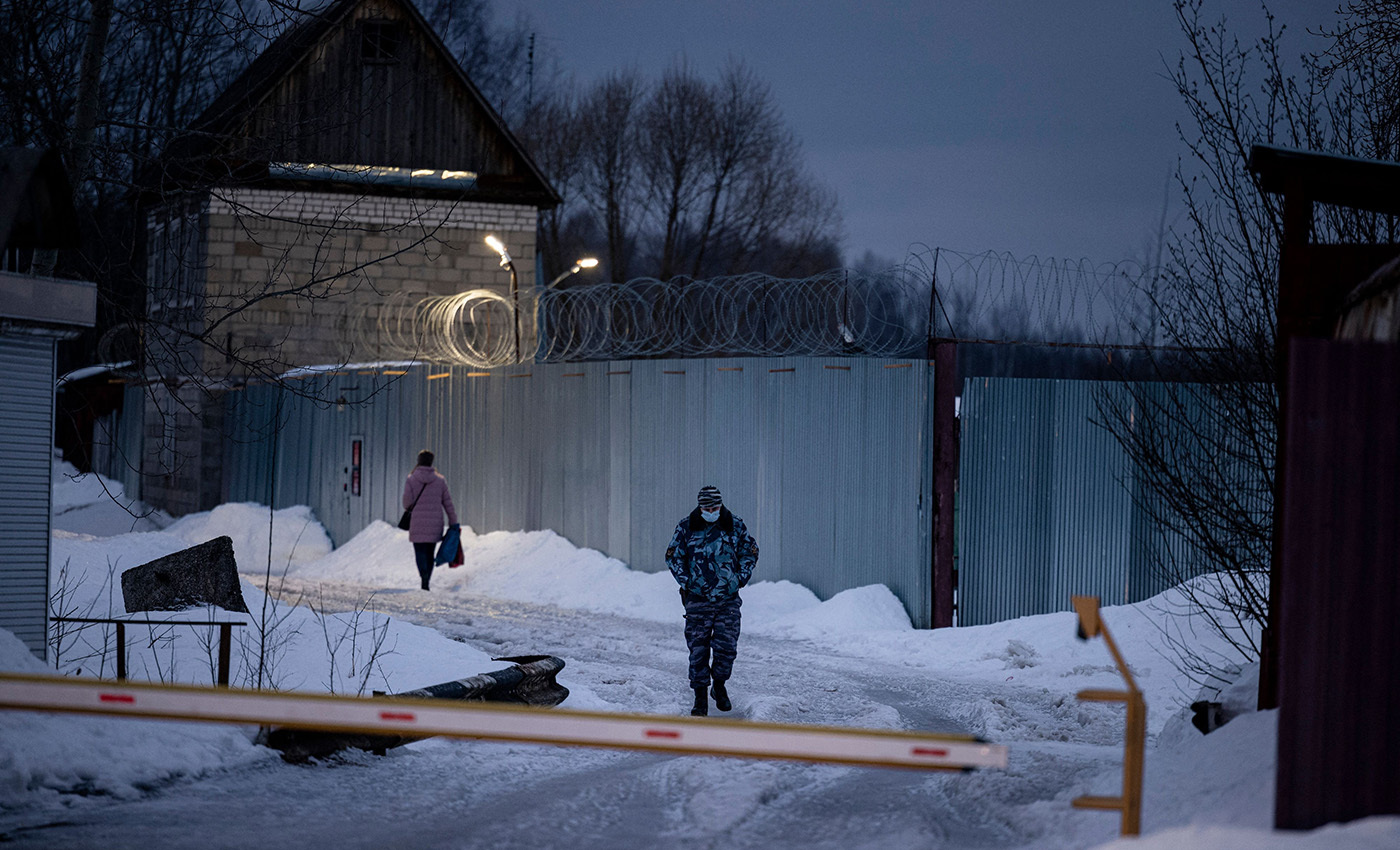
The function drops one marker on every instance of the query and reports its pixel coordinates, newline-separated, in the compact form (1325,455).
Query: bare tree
(554,134)
(500,59)
(746,130)
(1205,449)
(675,124)
(609,117)
(684,177)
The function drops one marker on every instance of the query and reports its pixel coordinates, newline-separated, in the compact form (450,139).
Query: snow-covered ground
(352,620)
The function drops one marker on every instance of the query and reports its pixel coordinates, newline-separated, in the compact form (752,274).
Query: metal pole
(225,638)
(121,651)
(515,308)
(945,476)
(1135,732)
(1129,803)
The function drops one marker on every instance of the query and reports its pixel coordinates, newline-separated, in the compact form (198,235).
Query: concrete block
(206,574)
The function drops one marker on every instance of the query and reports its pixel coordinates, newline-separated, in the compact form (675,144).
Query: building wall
(342,258)
(408,107)
(1339,586)
(278,278)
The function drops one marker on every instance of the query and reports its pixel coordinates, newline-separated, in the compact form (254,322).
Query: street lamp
(579,265)
(499,247)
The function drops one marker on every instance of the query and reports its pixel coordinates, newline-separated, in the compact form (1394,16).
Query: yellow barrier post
(1135,730)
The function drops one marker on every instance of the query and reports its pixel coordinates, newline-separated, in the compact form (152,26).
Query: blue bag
(451,541)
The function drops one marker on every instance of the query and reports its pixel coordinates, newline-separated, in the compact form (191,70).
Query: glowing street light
(499,247)
(579,265)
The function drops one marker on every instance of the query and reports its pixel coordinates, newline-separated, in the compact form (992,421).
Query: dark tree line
(684,176)
(108,83)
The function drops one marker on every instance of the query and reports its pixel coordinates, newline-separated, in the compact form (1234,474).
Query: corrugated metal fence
(26,432)
(1045,501)
(827,460)
(116,440)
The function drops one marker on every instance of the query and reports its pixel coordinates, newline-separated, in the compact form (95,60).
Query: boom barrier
(499,722)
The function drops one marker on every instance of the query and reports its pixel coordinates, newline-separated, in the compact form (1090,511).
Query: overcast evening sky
(1039,127)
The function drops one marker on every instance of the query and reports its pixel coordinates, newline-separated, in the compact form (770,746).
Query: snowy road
(446,794)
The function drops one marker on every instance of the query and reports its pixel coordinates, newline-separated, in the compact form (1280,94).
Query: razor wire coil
(988,297)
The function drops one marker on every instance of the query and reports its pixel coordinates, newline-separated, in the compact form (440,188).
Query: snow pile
(535,566)
(1011,682)
(860,609)
(303,647)
(97,505)
(294,534)
(50,754)
(543,568)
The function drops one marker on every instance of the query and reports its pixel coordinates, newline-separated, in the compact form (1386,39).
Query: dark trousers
(423,554)
(712,633)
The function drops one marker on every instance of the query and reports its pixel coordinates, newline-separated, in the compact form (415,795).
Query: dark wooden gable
(368,82)
(36,201)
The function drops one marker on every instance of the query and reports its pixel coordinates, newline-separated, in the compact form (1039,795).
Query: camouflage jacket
(712,560)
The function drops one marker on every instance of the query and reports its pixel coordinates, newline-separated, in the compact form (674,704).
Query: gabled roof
(259,81)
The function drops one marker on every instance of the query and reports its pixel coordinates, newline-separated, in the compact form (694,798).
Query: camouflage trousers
(712,634)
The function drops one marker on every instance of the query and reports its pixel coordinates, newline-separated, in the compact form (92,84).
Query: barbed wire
(935,293)
(1014,300)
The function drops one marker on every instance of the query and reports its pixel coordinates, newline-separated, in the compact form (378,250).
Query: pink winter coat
(426,526)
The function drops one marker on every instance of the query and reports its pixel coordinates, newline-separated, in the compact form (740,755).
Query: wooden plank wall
(337,107)
(1339,629)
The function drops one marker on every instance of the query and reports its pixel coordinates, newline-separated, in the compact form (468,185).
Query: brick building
(351,166)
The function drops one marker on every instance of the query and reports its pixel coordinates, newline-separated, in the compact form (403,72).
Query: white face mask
(709,516)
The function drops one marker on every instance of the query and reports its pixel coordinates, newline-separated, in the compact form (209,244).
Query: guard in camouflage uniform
(711,555)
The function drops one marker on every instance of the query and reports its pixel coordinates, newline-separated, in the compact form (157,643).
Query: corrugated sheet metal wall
(26,440)
(610,455)
(1045,501)
(828,460)
(116,450)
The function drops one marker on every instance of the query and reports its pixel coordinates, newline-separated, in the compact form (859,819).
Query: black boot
(721,697)
(702,704)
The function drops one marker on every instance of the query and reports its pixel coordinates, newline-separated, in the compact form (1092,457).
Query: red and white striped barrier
(501,722)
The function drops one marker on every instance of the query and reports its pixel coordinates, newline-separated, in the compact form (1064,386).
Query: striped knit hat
(709,497)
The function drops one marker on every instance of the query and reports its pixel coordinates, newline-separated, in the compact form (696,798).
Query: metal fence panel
(827,459)
(611,455)
(26,438)
(1049,503)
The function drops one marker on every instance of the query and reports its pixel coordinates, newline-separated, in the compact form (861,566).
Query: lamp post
(558,305)
(579,265)
(499,247)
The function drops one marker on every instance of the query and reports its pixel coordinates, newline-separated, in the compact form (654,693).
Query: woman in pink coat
(425,494)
